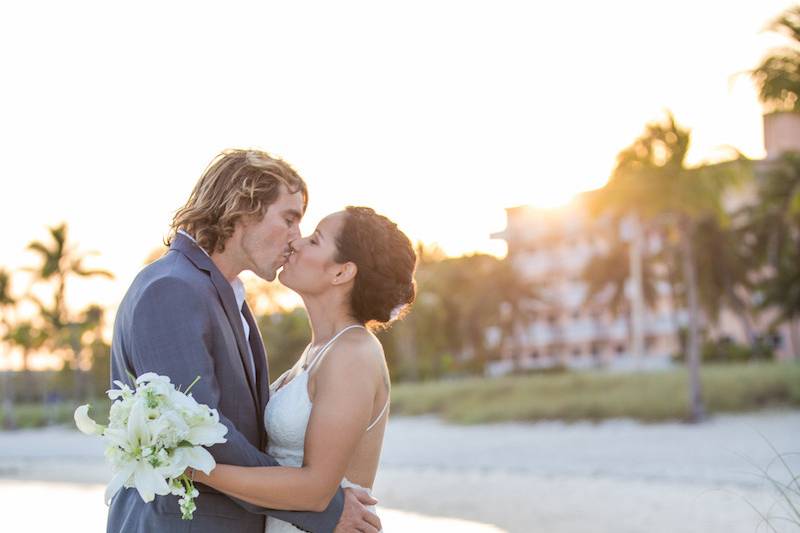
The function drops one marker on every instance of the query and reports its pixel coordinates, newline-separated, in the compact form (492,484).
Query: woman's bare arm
(346,386)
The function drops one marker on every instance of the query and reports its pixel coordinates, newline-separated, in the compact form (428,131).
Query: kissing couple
(302,451)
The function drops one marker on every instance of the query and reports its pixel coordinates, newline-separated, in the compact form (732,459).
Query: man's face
(265,242)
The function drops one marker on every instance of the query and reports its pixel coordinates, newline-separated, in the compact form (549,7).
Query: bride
(355,273)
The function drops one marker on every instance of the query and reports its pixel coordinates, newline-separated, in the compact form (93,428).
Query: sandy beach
(618,476)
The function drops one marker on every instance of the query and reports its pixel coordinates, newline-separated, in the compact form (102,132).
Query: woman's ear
(347,272)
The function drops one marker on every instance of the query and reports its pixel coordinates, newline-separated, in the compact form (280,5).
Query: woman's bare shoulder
(358,348)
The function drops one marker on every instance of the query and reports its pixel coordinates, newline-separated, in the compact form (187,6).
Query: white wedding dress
(286,418)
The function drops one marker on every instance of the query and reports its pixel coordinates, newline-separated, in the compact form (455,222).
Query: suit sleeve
(171,336)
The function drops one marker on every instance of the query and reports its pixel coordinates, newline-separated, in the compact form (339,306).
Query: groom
(185,316)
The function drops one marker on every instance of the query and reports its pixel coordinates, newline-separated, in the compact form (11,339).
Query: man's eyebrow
(293,213)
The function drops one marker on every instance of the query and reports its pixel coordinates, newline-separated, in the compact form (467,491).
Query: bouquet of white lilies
(154,433)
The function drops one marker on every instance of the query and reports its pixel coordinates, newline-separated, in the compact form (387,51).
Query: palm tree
(772,235)
(724,272)
(783,292)
(607,274)
(456,287)
(653,184)
(28,338)
(60,262)
(419,346)
(778,75)
(7,301)
(509,300)
(97,351)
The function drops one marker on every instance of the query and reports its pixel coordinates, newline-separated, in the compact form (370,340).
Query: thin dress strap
(324,349)
(322,354)
(378,419)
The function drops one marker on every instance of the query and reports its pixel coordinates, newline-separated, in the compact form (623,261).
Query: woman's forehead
(331,222)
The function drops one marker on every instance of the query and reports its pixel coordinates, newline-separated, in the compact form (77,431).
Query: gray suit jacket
(179,319)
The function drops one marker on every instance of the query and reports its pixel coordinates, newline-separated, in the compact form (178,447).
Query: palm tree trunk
(637,293)
(697,411)
(408,350)
(27,377)
(629,328)
(78,374)
(7,380)
(747,326)
(518,344)
(794,337)
(675,304)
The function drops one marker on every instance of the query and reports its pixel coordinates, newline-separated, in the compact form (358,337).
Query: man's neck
(227,265)
(225,261)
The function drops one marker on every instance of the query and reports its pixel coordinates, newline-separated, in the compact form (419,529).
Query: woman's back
(289,409)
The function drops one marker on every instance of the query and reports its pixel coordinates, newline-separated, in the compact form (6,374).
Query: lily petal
(207,434)
(151,376)
(137,424)
(117,481)
(85,423)
(199,459)
(149,482)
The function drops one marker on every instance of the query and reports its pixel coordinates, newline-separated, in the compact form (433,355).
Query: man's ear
(347,272)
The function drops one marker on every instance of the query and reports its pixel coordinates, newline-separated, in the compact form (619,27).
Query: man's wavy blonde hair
(237,184)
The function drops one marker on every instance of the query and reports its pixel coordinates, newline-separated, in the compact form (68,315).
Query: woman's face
(311,268)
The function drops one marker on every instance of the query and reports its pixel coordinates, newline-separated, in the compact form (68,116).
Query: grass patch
(651,397)
(32,415)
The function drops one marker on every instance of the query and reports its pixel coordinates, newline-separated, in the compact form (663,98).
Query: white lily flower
(207,434)
(169,429)
(117,438)
(149,482)
(154,433)
(120,478)
(122,392)
(152,377)
(120,410)
(199,459)
(138,429)
(85,423)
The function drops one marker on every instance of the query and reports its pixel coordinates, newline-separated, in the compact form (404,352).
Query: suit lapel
(262,368)
(226,296)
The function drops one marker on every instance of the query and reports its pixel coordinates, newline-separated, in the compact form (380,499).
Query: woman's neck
(327,318)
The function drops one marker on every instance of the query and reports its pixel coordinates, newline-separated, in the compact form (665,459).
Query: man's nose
(295,244)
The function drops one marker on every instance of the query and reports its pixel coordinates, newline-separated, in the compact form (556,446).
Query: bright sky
(437,114)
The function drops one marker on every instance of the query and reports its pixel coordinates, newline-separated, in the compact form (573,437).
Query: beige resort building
(551,247)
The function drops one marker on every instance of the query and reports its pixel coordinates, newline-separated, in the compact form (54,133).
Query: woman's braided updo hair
(384,286)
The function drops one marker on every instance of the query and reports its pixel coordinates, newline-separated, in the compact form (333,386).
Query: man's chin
(268,275)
